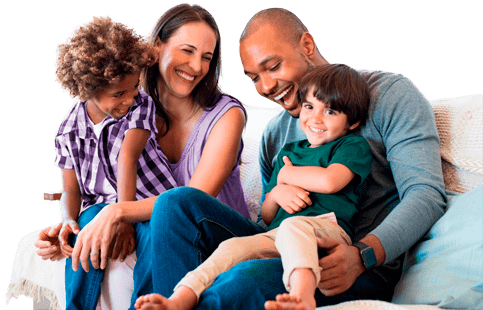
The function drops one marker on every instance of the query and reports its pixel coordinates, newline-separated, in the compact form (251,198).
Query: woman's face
(185,59)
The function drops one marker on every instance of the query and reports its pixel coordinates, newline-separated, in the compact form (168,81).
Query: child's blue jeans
(83,289)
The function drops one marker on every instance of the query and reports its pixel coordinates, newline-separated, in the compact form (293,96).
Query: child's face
(321,124)
(114,101)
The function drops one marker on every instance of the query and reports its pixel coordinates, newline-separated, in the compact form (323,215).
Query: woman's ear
(354,126)
(307,44)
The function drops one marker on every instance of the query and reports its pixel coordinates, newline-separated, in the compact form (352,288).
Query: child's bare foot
(289,302)
(151,301)
(182,299)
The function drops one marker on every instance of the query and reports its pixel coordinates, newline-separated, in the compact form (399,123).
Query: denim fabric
(82,289)
(187,225)
(249,284)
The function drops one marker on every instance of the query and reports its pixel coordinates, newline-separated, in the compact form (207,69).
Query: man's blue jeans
(187,225)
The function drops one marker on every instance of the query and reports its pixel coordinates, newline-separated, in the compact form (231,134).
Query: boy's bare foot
(182,299)
(151,302)
(289,302)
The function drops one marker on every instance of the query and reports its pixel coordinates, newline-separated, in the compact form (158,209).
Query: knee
(176,204)
(292,222)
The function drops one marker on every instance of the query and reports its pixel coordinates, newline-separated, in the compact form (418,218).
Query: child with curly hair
(106,147)
(311,194)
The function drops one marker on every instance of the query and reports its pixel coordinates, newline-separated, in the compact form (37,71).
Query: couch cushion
(257,120)
(460,126)
(446,267)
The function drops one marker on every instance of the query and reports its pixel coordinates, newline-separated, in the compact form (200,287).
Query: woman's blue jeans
(187,225)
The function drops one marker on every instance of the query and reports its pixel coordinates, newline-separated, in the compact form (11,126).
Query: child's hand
(291,198)
(48,243)
(124,241)
(283,176)
(68,227)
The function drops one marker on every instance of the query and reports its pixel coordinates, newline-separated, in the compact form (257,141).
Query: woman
(199,128)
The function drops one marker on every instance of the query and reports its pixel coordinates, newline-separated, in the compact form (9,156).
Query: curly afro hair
(101,54)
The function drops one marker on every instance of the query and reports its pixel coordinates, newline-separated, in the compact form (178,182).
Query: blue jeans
(187,225)
(249,284)
(83,289)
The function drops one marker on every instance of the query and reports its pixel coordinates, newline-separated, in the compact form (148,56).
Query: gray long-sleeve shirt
(405,194)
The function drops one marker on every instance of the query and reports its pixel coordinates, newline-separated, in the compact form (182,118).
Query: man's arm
(406,122)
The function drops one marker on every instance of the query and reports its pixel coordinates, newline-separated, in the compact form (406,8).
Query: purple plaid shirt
(76,145)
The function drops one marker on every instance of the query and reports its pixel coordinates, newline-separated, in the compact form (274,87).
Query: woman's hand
(95,238)
(48,243)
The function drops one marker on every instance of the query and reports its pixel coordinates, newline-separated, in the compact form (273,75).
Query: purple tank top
(232,192)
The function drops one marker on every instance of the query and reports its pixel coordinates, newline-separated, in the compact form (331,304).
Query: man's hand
(48,243)
(124,242)
(340,268)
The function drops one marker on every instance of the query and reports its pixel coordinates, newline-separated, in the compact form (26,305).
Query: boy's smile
(115,100)
(320,123)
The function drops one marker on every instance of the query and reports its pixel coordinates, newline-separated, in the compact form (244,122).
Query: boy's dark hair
(99,55)
(340,87)
(207,92)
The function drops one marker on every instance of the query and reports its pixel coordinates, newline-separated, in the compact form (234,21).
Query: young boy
(312,179)
(106,147)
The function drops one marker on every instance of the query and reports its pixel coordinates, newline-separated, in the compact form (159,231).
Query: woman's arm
(98,234)
(220,153)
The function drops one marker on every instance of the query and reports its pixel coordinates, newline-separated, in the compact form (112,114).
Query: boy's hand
(68,227)
(48,243)
(283,176)
(291,198)
(124,241)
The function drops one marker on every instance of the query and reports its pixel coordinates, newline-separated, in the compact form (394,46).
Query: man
(276,50)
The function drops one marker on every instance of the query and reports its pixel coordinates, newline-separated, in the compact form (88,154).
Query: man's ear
(307,44)
(354,126)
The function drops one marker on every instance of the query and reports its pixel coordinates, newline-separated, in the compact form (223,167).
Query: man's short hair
(286,22)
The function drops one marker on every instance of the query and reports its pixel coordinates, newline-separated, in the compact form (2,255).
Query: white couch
(445,269)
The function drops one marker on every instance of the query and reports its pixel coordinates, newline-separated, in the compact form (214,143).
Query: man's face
(275,66)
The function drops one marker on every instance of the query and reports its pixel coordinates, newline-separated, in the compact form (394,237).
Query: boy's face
(321,124)
(115,100)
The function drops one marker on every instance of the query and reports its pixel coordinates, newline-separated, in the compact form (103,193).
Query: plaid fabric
(76,145)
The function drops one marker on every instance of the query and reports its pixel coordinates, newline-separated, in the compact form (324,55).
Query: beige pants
(294,241)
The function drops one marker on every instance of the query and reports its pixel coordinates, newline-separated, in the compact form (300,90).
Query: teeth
(185,76)
(316,130)
(283,94)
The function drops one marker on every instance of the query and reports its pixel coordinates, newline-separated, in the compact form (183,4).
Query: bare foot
(151,301)
(289,302)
